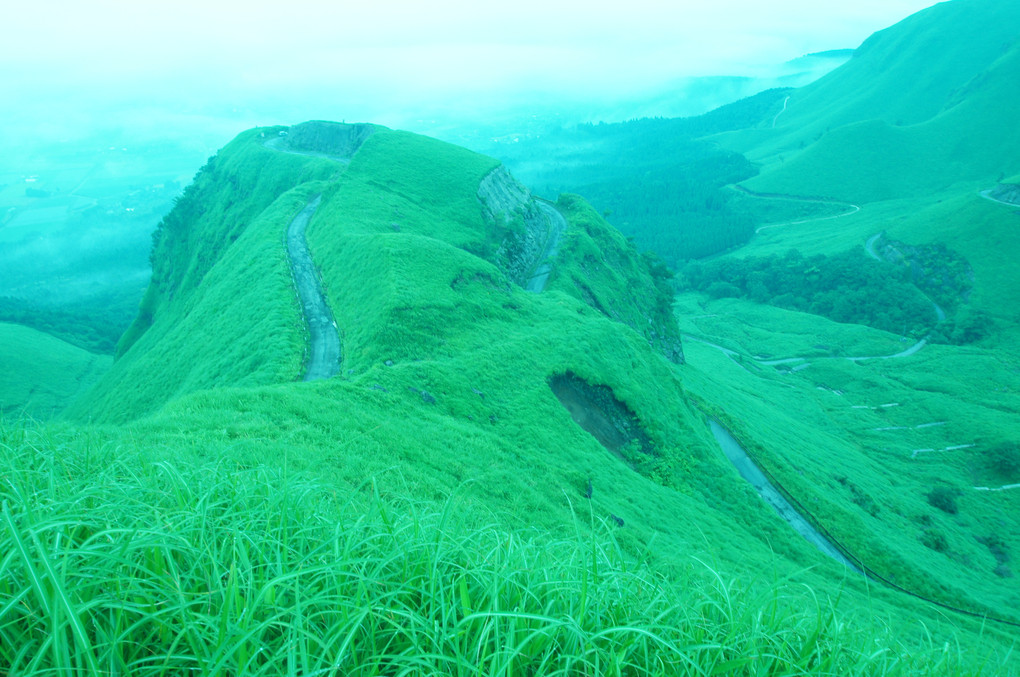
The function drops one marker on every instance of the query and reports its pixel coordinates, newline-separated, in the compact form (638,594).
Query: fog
(110,107)
(212,68)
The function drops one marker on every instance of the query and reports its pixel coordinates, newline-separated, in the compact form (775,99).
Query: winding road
(771,495)
(851,208)
(324,337)
(987,194)
(557,226)
(324,352)
(785,102)
(802,362)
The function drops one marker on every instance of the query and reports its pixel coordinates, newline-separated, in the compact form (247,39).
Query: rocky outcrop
(512,208)
(936,270)
(1006,192)
(596,264)
(333,140)
(597,410)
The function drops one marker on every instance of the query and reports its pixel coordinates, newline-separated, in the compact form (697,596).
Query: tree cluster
(847,287)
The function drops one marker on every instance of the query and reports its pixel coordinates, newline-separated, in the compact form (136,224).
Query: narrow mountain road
(803,362)
(1005,487)
(771,495)
(324,337)
(557,227)
(869,246)
(785,102)
(324,352)
(851,208)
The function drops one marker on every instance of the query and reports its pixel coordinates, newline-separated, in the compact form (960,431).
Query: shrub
(935,539)
(944,498)
(1004,459)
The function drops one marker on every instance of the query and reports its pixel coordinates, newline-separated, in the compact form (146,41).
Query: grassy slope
(826,421)
(822,429)
(258,570)
(41,373)
(221,304)
(420,312)
(928,91)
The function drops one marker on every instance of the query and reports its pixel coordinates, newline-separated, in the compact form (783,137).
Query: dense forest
(847,287)
(655,179)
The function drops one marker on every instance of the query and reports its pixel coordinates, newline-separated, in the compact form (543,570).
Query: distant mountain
(921,105)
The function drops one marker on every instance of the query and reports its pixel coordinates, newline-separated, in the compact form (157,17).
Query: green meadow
(42,373)
(458,499)
(435,508)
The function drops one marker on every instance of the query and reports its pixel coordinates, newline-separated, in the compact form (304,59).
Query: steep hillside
(203,323)
(392,514)
(221,310)
(922,105)
(41,374)
(911,452)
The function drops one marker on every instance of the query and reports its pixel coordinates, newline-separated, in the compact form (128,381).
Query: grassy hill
(41,373)
(498,480)
(920,107)
(922,443)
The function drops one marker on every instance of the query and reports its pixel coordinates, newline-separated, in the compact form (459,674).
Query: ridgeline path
(324,350)
(324,337)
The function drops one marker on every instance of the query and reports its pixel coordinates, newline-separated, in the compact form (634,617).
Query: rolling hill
(922,106)
(497,479)
(42,374)
(892,152)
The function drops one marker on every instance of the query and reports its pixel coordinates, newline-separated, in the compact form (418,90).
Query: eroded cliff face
(510,205)
(1006,192)
(332,140)
(590,260)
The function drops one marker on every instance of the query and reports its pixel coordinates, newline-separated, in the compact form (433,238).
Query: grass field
(42,374)
(257,569)
(426,511)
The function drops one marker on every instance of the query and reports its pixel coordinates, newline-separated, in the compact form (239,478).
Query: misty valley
(731,393)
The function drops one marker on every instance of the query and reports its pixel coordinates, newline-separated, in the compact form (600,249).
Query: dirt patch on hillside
(597,410)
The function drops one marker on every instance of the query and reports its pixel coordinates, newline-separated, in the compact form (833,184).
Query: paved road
(324,338)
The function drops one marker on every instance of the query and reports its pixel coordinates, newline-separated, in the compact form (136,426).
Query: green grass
(41,373)
(918,109)
(402,245)
(841,436)
(911,129)
(222,567)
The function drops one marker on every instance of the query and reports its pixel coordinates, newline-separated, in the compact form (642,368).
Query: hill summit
(418,244)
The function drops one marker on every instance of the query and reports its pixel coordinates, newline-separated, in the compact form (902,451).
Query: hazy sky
(236,54)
